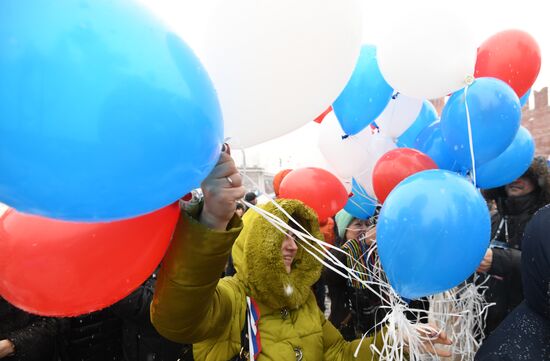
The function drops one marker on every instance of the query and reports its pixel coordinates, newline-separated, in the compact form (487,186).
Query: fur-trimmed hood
(259,263)
(538,171)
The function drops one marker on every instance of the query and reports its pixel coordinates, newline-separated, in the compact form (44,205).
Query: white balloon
(430,54)
(278,64)
(345,155)
(399,115)
(378,145)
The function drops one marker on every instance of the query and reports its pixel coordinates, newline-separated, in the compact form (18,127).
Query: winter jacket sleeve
(337,349)
(506,262)
(189,305)
(35,341)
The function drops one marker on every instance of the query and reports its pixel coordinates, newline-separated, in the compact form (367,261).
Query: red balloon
(395,166)
(317,188)
(58,268)
(512,56)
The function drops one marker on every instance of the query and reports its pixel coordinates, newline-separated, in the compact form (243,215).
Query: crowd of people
(232,285)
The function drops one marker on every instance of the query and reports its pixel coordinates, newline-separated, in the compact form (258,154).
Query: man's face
(520,187)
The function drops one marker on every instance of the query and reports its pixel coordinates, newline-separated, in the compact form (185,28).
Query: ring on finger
(229,180)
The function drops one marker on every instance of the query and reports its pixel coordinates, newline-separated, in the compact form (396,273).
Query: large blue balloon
(430,142)
(432,233)
(509,165)
(360,204)
(495,115)
(104,113)
(428,115)
(365,96)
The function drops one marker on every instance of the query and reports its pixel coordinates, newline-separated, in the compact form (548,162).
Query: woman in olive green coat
(192,305)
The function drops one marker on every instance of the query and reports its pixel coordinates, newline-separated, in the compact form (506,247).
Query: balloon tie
(395,96)
(345,136)
(470,136)
(469,80)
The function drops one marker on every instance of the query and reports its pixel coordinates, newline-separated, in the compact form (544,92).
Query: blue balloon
(365,96)
(525,98)
(510,164)
(495,115)
(360,205)
(432,233)
(428,115)
(430,142)
(104,113)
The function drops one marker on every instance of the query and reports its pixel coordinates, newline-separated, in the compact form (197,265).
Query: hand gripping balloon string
(470,137)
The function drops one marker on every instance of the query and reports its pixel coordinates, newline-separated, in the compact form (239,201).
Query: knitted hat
(343,219)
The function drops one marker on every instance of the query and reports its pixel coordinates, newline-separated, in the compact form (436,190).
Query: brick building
(535,117)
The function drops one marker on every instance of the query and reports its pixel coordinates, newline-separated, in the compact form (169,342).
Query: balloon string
(470,136)
(462,310)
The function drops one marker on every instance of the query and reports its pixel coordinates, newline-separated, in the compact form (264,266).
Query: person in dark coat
(525,333)
(354,309)
(93,337)
(516,203)
(122,331)
(25,337)
(140,340)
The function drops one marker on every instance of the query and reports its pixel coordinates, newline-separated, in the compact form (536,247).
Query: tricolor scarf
(359,260)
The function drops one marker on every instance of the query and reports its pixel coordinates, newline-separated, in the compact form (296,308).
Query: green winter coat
(192,305)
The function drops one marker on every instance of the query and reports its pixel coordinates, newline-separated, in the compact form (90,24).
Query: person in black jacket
(122,331)
(25,337)
(525,333)
(141,341)
(92,337)
(354,309)
(516,203)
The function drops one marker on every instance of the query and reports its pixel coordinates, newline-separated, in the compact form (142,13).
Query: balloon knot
(469,80)
(395,96)
(345,136)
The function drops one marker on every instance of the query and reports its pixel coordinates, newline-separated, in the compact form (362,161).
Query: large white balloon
(399,115)
(347,155)
(377,145)
(429,54)
(277,64)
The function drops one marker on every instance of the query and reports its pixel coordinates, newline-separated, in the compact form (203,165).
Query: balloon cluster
(108,118)
(100,139)
(434,225)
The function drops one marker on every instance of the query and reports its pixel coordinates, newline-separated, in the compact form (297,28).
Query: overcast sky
(299,148)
